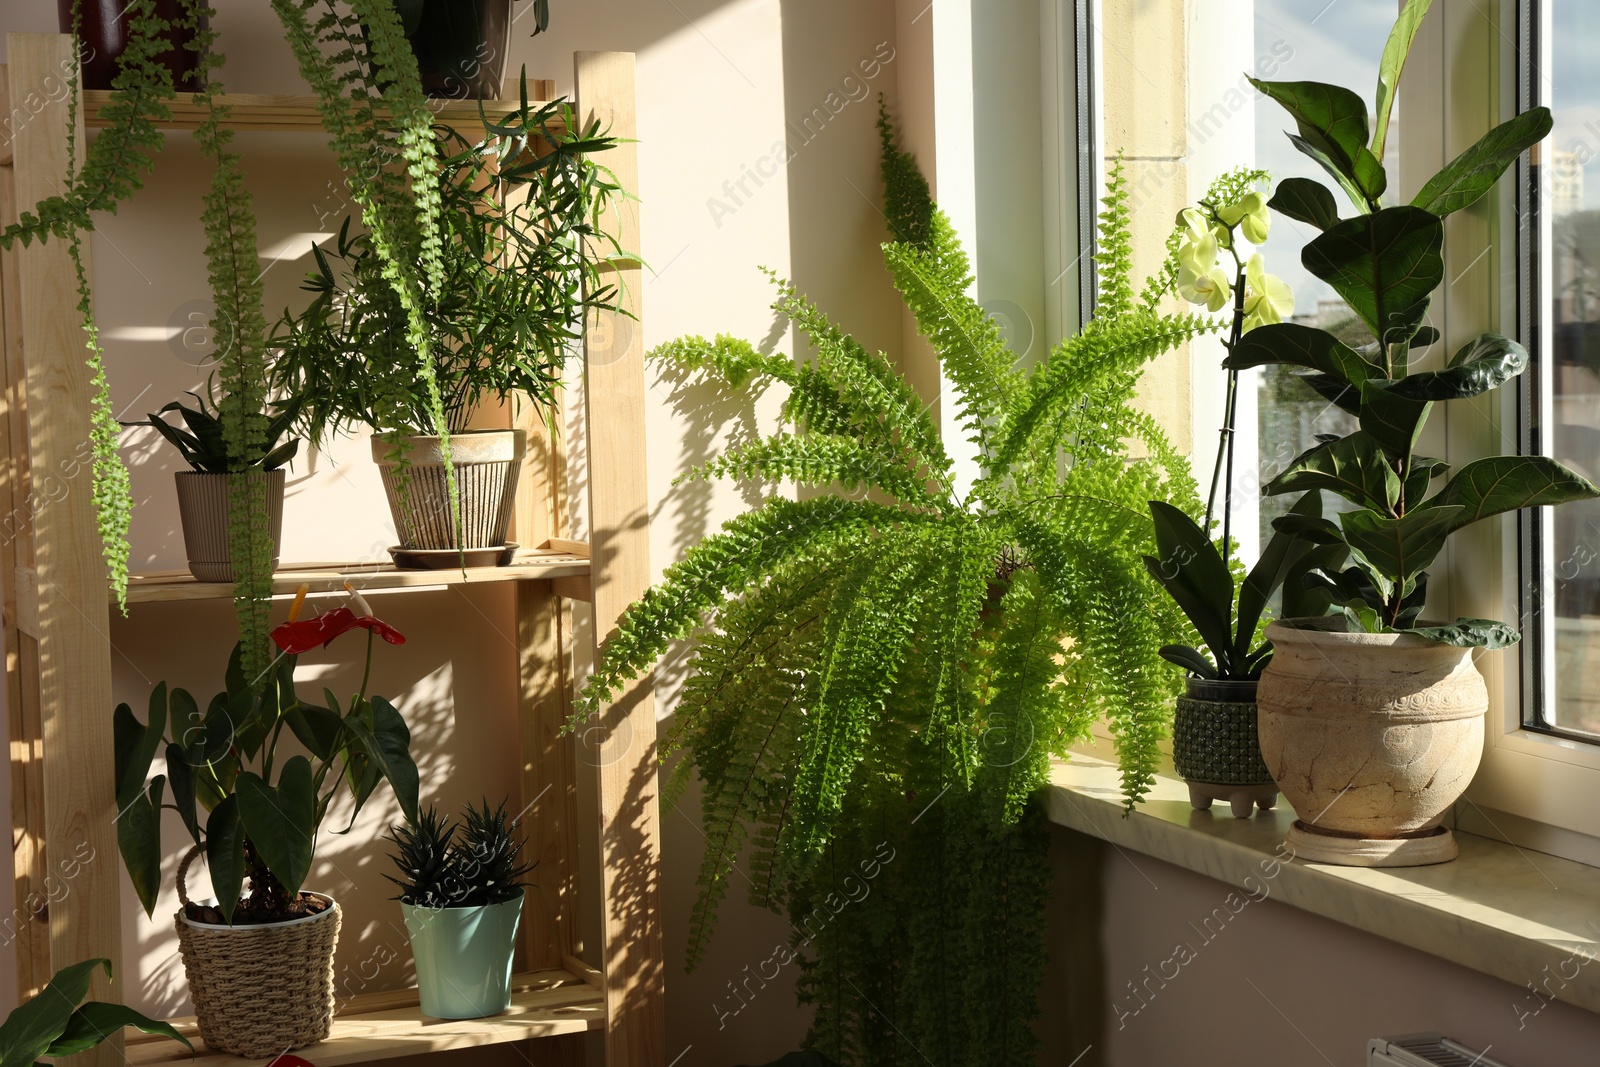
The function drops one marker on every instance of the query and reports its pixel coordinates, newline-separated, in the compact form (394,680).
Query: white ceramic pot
(1371,737)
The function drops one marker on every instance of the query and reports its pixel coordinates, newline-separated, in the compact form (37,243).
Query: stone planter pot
(464,957)
(1214,746)
(203,510)
(487,465)
(1371,737)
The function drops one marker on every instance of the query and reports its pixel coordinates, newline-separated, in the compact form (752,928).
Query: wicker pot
(105,38)
(259,990)
(1214,746)
(487,464)
(464,957)
(1371,737)
(203,508)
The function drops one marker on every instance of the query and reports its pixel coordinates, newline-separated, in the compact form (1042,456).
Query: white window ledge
(1526,917)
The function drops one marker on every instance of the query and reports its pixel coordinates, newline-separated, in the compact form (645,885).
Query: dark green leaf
(1337,170)
(1303,596)
(388,745)
(1481,365)
(1306,201)
(1336,391)
(1354,466)
(1333,120)
(225,854)
(1470,633)
(1393,421)
(1499,484)
(1299,346)
(96,1021)
(1190,659)
(1277,557)
(1362,619)
(139,842)
(33,1027)
(1424,469)
(180,776)
(1395,50)
(1399,548)
(281,820)
(1474,172)
(317,728)
(1316,529)
(1384,264)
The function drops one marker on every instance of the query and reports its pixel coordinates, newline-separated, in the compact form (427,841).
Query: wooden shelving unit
(58,658)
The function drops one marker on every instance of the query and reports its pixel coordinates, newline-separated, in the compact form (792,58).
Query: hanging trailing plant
(882,671)
(113,169)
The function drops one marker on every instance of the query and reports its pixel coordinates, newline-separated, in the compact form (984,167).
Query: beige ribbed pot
(203,509)
(487,463)
(1371,737)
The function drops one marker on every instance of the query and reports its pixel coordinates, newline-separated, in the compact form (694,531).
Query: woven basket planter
(487,464)
(259,990)
(203,509)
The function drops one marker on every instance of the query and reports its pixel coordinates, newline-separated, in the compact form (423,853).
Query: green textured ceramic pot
(464,957)
(1214,734)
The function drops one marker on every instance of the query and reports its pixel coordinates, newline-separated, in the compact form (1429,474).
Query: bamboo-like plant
(882,670)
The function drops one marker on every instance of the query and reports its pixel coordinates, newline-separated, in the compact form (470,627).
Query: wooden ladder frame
(56,611)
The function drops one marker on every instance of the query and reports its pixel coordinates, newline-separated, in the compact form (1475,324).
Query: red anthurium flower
(295,637)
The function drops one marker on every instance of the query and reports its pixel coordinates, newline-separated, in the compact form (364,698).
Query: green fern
(887,668)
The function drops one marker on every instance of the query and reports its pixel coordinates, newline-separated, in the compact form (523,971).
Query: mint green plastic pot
(464,957)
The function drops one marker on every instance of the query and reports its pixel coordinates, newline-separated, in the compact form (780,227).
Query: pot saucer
(443,559)
(1438,846)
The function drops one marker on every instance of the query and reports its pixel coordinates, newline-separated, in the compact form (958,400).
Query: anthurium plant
(57,1022)
(1385,261)
(255,815)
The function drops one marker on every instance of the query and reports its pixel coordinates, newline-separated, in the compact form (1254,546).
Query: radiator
(1424,1050)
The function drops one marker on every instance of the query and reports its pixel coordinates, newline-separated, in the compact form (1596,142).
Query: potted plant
(1372,720)
(1214,743)
(106,31)
(58,1023)
(882,669)
(520,272)
(254,812)
(462,902)
(203,504)
(461,46)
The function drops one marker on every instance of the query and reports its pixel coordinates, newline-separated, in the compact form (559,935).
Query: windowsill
(1525,917)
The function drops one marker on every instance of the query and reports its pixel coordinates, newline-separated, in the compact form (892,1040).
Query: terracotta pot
(487,465)
(1214,746)
(105,38)
(1371,737)
(203,508)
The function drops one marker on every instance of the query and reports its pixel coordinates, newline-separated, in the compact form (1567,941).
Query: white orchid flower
(1268,298)
(1197,244)
(1250,214)
(1211,288)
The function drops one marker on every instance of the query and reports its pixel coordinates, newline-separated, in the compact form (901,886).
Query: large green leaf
(281,820)
(317,728)
(387,743)
(1384,264)
(1485,363)
(1302,598)
(135,744)
(1300,346)
(1424,469)
(1190,659)
(1499,484)
(96,1021)
(139,842)
(1336,391)
(1474,172)
(1353,466)
(1398,548)
(1470,633)
(1394,422)
(225,854)
(1306,201)
(180,776)
(1277,559)
(1332,121)
(30,1030)
(1395,50)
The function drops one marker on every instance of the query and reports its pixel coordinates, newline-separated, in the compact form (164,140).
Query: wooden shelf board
(381,1026)
(291,113)
(529,565)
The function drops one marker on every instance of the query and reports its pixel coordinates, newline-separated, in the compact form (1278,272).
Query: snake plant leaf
(180,776)
(1471,174)
(1190,659)
(1499,484)
(1300,346)
(1332,121)
(1384,264)
(1398,549)
(1354,466)
(1393,421)
(1470,633)
(225,854)
(1390,66)
(281,820)
(1305,201)
(95,1021)
(1278,556)
(139,842)
(1485,363)
(29,1031)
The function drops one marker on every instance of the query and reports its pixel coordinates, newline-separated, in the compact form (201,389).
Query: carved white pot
(1371,737)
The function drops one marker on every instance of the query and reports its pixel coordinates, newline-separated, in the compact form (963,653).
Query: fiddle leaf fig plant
(1386,262)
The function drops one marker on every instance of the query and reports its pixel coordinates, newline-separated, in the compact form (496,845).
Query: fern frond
(816,459)
(733,360)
